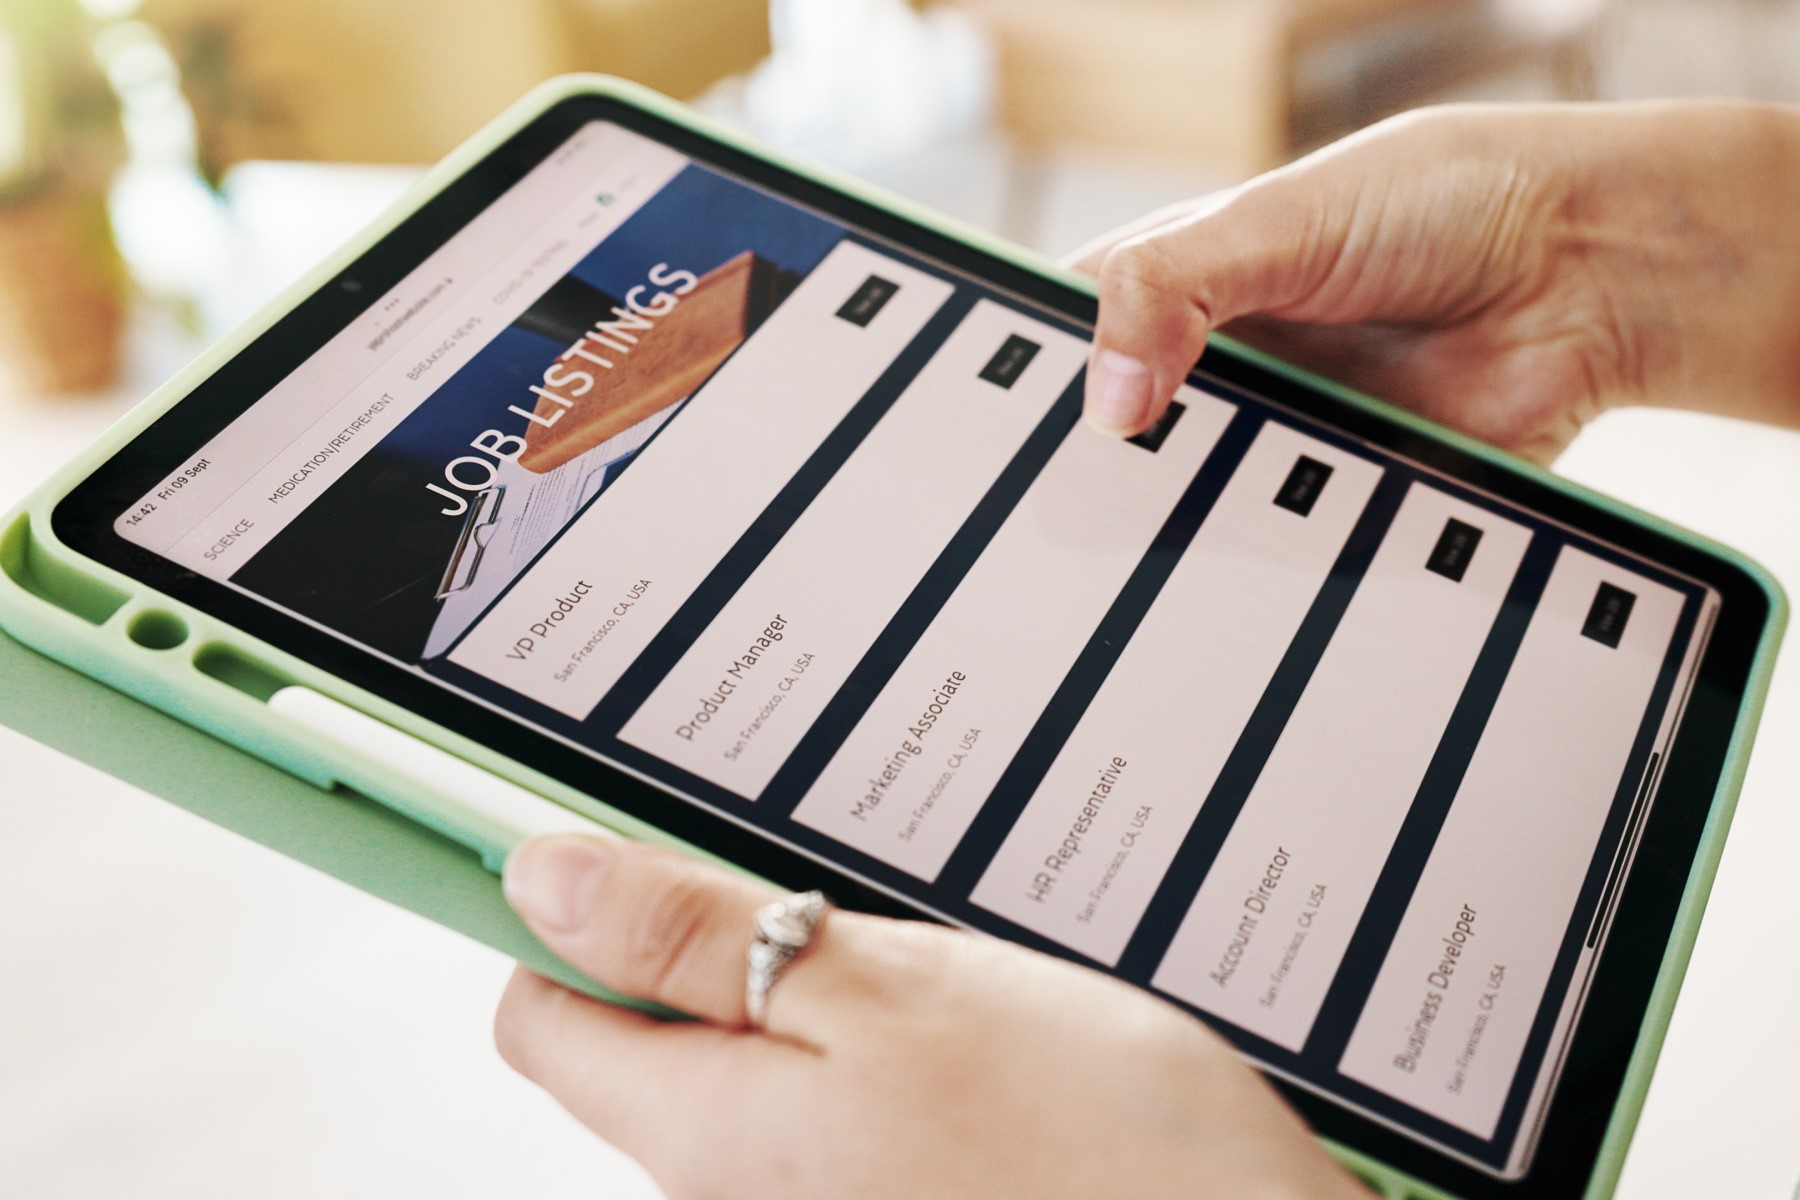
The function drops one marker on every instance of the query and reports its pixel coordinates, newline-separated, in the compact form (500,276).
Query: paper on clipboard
(577,444)
(516,518)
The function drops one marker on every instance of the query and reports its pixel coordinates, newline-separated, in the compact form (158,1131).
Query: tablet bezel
(1595,1067)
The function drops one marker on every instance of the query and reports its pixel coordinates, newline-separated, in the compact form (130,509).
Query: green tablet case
(184,716)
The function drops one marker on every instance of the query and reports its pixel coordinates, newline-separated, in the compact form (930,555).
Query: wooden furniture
(404,81)
(634,363)
(1244,84)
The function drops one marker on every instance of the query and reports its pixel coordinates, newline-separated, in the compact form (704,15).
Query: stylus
(478,808)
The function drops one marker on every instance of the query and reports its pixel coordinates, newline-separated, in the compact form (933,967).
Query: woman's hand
(900,1059)
(1512,271)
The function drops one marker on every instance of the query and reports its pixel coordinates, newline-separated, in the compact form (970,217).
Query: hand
(1511,271)
(901,1059)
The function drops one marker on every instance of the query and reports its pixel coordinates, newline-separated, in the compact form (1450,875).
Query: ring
(782,932)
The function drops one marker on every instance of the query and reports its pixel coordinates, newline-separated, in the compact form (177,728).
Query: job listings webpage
(1336,752)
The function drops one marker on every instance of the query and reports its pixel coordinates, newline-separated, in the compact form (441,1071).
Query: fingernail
(551,881)
(1119,398)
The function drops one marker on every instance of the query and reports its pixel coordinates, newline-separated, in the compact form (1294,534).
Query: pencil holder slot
(239,671)
(154,629)
(40,575)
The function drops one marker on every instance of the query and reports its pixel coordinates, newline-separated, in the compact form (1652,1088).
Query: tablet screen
(1341,754)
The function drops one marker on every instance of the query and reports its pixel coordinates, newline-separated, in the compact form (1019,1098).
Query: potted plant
(62,281)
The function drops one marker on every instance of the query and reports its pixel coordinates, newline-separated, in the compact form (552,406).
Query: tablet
(758,507)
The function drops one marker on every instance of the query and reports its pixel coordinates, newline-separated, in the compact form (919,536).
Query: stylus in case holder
(487,812)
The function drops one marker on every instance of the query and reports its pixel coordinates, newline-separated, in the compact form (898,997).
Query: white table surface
(185,1014)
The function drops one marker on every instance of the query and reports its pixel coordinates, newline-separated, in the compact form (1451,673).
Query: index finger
(1165,289)
(1087,257)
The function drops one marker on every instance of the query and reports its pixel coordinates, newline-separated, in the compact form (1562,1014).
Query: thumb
(1258,249)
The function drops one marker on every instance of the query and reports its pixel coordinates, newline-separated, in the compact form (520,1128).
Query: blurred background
(183,1014)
